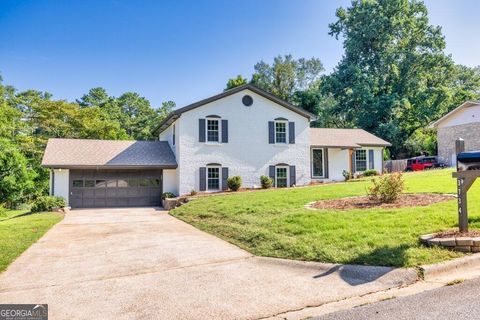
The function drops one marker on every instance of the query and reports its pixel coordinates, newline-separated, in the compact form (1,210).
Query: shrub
(386,188)
(347,175)
(370,173)
(193,192)
(266,182)
(234,183)
(47,203)
(168,195)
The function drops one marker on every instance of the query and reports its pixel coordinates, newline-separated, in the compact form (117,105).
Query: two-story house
(243,132)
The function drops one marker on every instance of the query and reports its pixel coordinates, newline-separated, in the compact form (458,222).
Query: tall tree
(133,113)
(236,82)
(286,75)
(95,97)
(394,76)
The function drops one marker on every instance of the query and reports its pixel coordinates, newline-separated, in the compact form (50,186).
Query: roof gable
(455,111)
(174,115)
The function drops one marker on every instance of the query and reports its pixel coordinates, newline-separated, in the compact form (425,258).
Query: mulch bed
(457,234)
(405,200)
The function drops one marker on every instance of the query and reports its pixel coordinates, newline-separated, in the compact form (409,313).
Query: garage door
(115,188)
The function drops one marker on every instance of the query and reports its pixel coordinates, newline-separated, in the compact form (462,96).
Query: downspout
(53,182)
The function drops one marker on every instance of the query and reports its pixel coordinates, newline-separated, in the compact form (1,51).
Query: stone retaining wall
(463,244)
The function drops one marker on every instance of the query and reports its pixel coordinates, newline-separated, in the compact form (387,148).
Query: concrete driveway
(143,263)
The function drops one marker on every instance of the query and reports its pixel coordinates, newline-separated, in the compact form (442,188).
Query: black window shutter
(371,164)
(291,132)
(224,131)
(201,130)
(271,173)
(224,178)
(325,165)
(293,176)
(271,132)
(203,178)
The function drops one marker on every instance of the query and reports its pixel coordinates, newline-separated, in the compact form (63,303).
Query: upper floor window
(360,160)
(213,130)
(280,132)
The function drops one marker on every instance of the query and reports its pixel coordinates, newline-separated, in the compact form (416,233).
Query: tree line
(393,79)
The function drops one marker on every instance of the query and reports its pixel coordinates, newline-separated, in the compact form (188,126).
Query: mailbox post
(465,179)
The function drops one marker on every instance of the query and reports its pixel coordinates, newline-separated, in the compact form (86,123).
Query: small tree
(386,188)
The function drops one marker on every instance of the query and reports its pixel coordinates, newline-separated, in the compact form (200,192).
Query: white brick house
(244,131)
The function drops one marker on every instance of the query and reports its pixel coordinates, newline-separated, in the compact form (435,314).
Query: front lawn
(274,223)
(19,230)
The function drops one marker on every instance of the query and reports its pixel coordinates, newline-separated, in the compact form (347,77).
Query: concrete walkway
(143,263)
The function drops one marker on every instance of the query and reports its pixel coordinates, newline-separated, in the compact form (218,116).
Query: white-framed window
(173,138)
(281,131)
(281,176)
(360,160)
(213,130)
(213,178)
(318,163)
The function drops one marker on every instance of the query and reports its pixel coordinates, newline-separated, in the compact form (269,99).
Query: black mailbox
(468,161)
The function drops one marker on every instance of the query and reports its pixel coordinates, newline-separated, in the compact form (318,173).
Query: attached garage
(115,188)
(99,173)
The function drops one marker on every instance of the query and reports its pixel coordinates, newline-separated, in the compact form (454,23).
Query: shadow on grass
(370,266)
(18,216)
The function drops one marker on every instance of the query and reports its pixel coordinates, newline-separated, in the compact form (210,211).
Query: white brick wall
(248,153)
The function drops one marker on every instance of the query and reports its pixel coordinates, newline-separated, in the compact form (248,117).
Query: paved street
(459,301)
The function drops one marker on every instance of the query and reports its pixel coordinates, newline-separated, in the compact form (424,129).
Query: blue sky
(180,50)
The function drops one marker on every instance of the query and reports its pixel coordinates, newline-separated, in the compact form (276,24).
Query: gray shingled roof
(76,153)
(344,138)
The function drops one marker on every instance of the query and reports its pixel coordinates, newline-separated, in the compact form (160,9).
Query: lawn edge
(34,242)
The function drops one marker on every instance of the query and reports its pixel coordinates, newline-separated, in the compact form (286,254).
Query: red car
(423,163)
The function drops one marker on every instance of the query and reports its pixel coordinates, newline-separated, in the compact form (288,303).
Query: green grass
(19,230)
(274,223)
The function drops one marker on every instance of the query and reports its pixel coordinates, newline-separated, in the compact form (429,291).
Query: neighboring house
(462,122)
(244,131)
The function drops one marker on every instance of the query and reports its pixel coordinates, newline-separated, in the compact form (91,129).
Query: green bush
(234,183)
(347,175)
(370,173)
(386,188)
(47,203)
(168,195)
(266,182)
